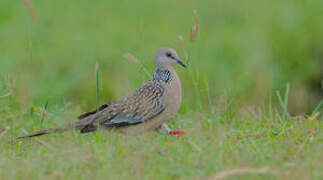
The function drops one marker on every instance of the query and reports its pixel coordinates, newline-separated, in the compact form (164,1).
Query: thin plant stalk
(97,93)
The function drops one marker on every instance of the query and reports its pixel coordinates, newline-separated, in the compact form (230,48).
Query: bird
(145,109)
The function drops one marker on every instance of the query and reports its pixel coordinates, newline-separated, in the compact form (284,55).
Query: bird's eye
(168,54)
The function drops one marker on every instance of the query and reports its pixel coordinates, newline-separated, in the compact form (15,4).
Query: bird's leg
(164,129)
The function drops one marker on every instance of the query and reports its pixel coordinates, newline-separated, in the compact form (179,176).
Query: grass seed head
(195,31)
(131,58)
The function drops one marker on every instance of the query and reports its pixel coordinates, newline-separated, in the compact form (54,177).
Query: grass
(252,102)
(229,140)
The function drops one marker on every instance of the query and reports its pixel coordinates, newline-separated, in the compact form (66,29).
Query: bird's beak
(180,62)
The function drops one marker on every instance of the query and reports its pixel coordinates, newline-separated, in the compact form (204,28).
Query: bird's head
(167,56)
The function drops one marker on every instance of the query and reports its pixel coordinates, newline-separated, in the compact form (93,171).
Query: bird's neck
(173,87)
(163,74)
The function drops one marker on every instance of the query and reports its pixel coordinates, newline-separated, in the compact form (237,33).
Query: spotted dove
(145,109)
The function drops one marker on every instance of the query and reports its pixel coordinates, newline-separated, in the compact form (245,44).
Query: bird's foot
(164,129)
(177,132)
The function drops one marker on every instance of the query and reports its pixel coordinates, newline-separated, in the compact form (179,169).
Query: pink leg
(177,132)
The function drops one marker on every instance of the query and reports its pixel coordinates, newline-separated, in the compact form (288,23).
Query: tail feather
(43,132)
(84,124)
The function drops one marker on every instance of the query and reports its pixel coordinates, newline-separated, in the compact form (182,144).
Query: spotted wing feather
(137,107)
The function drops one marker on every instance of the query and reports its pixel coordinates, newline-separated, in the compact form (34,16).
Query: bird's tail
(46,131)
(84,124)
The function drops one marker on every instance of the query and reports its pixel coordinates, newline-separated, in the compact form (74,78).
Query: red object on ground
(177,132)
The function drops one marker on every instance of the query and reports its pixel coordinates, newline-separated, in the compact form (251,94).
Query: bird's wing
(138,106)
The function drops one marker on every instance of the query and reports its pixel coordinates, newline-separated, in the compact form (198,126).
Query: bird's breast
(173,96)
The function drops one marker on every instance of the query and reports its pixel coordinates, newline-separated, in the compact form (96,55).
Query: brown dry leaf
(30,7)
(231,172)
(181,38)
(131,58)
(195,31)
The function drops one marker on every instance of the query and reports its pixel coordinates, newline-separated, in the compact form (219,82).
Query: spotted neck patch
(162,74)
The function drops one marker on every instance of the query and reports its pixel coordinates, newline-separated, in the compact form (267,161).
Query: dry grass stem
(195,31)
(96,68)
(314,116)
(195,146)
(181,38)
(227,173)
(6,95)
(31,10)
(3,131)
(10,84)
(131,58)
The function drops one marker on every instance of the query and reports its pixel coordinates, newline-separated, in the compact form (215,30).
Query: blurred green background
(246,50)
